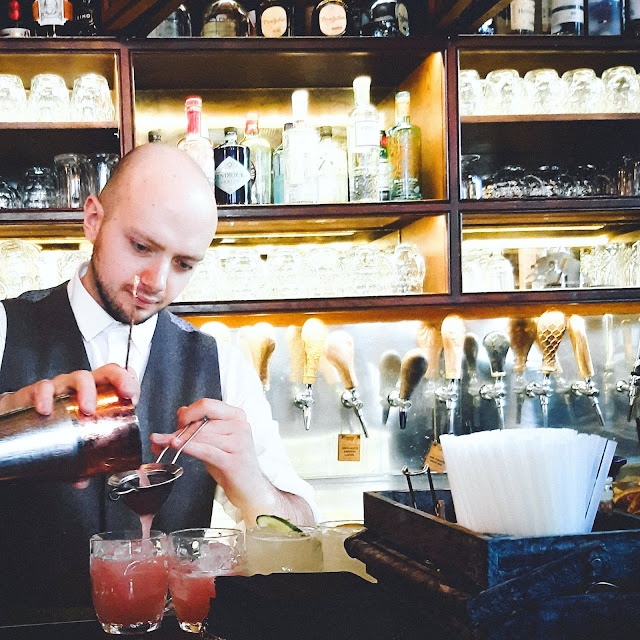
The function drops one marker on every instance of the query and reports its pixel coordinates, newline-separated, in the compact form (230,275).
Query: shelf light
(537,229)
(537,242)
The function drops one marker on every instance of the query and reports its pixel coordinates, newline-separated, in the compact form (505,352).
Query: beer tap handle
(470,350)
(453,335)
(340,352)
(627,340)
(522,335)
(389,367)
(634,381)
(429,339)
(412,370)
(497,345)
(551,328)
(262,344)
(313,334)
(578,335)
(296,352)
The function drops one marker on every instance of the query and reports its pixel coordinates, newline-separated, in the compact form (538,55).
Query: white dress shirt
(105,341)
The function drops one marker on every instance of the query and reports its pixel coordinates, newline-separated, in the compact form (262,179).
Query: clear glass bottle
(194,143)
(176,25)
(522,15)
(403,143)
(233,170)
(277,170)
(14,23)
(363,144)
(387,18)
(384,168)
(224,19)
(300,154)
(260,160)
(567,18)
(275,19)
(329,18)
(333,182)
(543,16)
(53,19)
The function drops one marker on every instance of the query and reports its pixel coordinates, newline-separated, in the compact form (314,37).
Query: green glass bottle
(403,147)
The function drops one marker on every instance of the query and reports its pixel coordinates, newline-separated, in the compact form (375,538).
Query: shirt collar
(92,319)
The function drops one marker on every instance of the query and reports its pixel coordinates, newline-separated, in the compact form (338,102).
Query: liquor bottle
(14,21)
(233,170)
(384,168)
(632,22)
(278,169)
(260,160)
(194,143)
(84,18)
(329,18)
(300,154)
(567,17)
(387,18)
(175,25)
(358,17)
(543,16)
(53,18)
(604,17)
(275,19)
(404,153)
(333,181)
(224,19)
(363,145)
(522,15)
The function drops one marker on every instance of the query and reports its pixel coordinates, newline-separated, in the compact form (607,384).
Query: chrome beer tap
(412,370)
(586,386)
(389,367)
(313,335)
(551,328)
(453,334)
(339,351)
(522,335)
(497,345)
(470,350)
(429,339)
(262,344)
(631,385)
(608,368)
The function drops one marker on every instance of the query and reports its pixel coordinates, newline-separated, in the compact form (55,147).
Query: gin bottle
(404,153)
(260,161)
(224,19)
(363,145)
(333,183)
(233,170)
(194,143)
(300,148)
(384,168)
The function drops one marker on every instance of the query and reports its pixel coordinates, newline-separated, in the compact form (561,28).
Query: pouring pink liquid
(146,519)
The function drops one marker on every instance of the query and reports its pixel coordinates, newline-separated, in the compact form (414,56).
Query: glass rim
(219,533)
(125,535)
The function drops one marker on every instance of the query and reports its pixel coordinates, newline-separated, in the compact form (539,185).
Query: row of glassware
(478,180)
(49,99)
(603,265)
(544,91)
(66,186)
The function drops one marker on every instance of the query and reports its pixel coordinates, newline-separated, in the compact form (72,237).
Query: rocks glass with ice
(129,577)
(197,557)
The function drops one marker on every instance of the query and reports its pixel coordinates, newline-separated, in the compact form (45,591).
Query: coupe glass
(505,92)
(91,99)
(48,99)
(622,91)
(585,91)
(545,91)
(470,93)
(129,578)
(38,189)
(196,558)
(13,98)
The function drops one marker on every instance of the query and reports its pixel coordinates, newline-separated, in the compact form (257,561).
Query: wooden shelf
(57,126)
(550,117)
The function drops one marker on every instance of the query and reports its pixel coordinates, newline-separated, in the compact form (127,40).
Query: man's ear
(93,217)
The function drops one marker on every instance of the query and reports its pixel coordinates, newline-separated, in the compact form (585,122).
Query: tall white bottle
(363,144)
(300,151)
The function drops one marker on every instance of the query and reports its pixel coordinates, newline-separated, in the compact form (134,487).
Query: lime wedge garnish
(276,523)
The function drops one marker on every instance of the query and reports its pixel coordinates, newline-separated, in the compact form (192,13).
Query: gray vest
(45,526)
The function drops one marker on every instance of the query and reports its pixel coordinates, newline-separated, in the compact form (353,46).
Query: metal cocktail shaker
(68,445)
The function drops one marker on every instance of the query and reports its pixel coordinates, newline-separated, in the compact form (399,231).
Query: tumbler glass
(13,98)
(284,268)
(196,558)
(622,90)
(410,268)
(102,166)
(9,198)
(48,99)
(470,180)
(38,189)
(73,172)
(334,533)
(505,92)
(91,99)
(585,91)
(130,578)
(545,91)
(470,93)
(19,266)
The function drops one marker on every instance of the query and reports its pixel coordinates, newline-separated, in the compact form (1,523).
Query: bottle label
(231,175)
(219,28)
(523,13)
(14,32)
(52,12)
(274,22)
(366,133)
(563,13)
(332,19)
(403,19)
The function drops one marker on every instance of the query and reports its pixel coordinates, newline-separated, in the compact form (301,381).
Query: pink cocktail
(129,578)
(197,558)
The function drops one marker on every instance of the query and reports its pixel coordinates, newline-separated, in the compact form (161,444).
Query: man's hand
(225,445)
(41,394)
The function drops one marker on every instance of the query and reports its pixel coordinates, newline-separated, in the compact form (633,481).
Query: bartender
(155,219)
